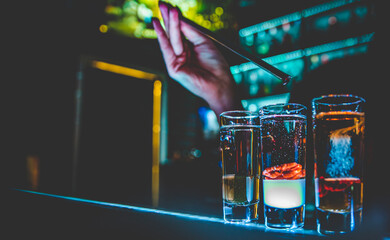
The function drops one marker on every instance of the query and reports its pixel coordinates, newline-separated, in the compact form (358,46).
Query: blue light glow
(271,60)
(341,159)
(325,7)
(293,17)
(269,24)
(129,207)
(210,125)
(255,104)
(327,47)
(258,226)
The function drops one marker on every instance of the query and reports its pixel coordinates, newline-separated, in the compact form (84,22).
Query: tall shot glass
(240,145)
(283,152)
(338,128)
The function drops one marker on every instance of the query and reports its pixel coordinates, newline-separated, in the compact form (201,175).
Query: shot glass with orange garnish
(283,152)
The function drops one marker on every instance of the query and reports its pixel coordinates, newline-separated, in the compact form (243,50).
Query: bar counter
(42,214)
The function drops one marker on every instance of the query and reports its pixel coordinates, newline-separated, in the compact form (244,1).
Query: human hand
(193,60)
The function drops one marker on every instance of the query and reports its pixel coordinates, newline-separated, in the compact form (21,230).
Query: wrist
(225,102)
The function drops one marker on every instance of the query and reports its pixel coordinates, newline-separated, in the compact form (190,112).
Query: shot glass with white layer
(283,153)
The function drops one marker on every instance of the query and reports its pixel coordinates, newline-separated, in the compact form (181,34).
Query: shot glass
(338,128)
(240,148)
(283,153)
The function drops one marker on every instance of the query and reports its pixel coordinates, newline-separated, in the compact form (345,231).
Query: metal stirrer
(232,47)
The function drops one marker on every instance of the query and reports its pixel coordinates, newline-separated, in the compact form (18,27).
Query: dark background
(42,44)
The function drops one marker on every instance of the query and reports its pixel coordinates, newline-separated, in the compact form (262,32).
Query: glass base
(281,218)
(332,223)
(240,213)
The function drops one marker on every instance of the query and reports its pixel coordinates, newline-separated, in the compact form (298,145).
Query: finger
(164,9)
(192,34)
(165,45)
(174,31)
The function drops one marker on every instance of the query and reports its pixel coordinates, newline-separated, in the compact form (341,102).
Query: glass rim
(334,96)
(235,114)
(296,110)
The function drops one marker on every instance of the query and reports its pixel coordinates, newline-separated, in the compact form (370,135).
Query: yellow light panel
(131,72)
(157,87)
